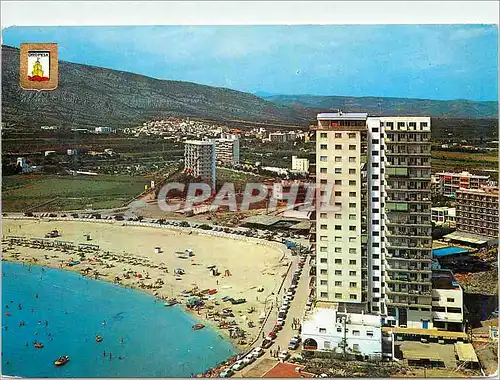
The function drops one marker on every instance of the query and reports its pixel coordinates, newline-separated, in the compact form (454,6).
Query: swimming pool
(447,251)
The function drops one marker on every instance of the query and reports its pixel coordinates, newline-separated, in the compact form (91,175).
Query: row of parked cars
(242,363)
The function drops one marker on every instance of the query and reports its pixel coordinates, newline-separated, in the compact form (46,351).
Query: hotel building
(477,211)
(449,183)
(373,246)
(199,160)
(227,149)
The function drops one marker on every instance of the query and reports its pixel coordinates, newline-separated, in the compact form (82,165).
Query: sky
(411,61)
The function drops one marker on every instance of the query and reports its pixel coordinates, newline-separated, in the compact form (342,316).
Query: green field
(53,193)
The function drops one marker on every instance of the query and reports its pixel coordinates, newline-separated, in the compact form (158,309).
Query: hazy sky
(428,61)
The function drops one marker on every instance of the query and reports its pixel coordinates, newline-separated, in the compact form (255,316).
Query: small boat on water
(38,345)
(61,361)
(198,326)
(98,338)
(171,302)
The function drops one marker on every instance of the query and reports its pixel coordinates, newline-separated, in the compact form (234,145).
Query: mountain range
(95,96)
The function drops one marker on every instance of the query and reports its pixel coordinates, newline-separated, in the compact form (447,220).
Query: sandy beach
(126,255)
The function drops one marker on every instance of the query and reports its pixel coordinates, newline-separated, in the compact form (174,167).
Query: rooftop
(342,116)
(444,279)
(485,190)
(287,370)
(463,174)
(198,142)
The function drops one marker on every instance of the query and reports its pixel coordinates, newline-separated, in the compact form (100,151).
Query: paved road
(296,310)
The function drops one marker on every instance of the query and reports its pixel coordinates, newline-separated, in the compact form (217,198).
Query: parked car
(293,344)
(283,355)
(238,365)
(267,342)
(272,335)
(249,359)
(228,372)
(258,351)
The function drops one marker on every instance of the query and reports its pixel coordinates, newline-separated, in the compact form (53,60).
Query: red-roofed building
(287,370)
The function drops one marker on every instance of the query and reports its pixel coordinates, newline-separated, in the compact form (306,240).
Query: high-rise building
(373,246)
(199,160)
(227,149)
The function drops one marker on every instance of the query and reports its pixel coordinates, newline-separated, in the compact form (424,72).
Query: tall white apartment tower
(373,248)
(199,160)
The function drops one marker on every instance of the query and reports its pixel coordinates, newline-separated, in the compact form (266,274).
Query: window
(374,176)
(338,147)
(338,272)
(338,135)
(352,228)
(326,345)
(323,271)
(338,193)
(323,170)
(352,159)
(323,215)
(376,233)
(323,135)
(376,256)
(450,299)
(353,297)
(375,245)
(323,158)
(352,147)
(352,194)
(338,228)
(353,284)
(412,124)
(324,227)
(375,199)
(423,124)
(338,250)
(454,310)
(390,124)
(352,216)
(375,211)
(338,216)
(338,159)
(338,295)
(374,164)
(376,290)
(323,146)
(338,283)
(376,221)
(355,347)
(375,141)
(323,181)
(352,273)
(352,182)
(435,299)
(338,182)
(352,240)
(376,267)
(323,238)
(352,205)
(352,171)
(338,238)
(352,262)
(401,124)
(338,170)
(339,329)
(323,295)
(323,260)
(355,332)
(351,135)
(352,250)
(374,152)
(324,282)
(338,261)
(375,188)
(369,333)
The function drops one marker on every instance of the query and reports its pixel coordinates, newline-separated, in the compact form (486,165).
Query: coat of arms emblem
(38,66)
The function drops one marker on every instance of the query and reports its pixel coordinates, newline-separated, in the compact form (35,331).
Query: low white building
(443,215)
(447,301)
(103,130)
(300,164)
(327,329)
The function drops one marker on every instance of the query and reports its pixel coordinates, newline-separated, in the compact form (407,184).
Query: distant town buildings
(300,164)
(103,130)
(282,137)
(199,160)
(227,149)
(448,183)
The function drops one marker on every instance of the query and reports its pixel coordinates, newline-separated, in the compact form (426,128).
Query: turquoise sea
(157,341)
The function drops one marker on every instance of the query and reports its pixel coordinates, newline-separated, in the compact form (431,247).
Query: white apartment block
(327,329)
(447,301)
(374,247)
(448,183)
(300,165)
(227,149)
(199,160)
(443,215)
